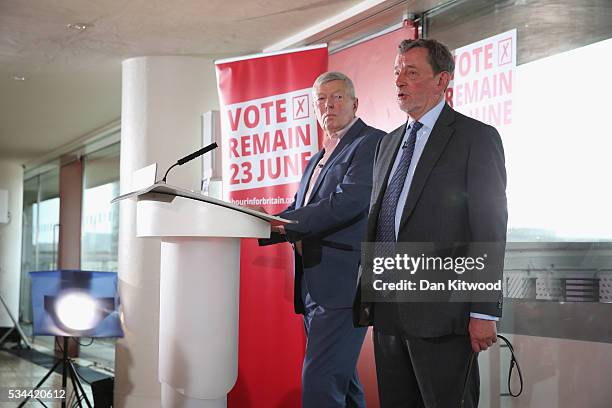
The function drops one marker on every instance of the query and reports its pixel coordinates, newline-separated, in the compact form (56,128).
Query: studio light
(77,310)
(73,303)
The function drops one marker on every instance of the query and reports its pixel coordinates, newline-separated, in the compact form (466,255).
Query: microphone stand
(190,157)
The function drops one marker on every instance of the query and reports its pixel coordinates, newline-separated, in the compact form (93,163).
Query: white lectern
(199,289)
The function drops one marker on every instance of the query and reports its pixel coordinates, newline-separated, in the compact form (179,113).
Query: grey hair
(335,76)
(439,56)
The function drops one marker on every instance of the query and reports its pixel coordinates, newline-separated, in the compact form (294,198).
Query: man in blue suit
(331,208)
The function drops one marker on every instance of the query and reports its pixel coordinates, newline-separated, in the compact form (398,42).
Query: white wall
(11,179)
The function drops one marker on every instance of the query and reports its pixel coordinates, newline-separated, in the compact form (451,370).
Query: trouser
(426,372)
(329,375)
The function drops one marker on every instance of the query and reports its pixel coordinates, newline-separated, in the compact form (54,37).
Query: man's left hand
(278,228)
(483,333)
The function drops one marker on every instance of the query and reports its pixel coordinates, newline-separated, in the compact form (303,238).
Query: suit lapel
(306,178)
(346,140)
(386,158)
(438,139)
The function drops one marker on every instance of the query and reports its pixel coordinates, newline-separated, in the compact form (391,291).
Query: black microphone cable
(513,364)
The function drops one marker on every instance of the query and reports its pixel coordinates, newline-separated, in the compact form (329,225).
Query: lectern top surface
(166,189)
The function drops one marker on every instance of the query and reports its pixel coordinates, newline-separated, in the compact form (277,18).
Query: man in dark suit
(438,178)
(331,207)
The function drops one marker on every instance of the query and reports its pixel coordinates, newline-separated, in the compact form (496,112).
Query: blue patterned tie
(385,229)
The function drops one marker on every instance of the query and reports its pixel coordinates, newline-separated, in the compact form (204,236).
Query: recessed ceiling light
(79,26)
(18,77)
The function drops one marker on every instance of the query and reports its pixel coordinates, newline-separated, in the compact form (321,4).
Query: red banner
(269,132)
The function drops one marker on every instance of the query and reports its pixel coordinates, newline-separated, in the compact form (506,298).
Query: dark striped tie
(385,229)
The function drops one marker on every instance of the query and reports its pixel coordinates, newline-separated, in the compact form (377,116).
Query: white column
(11,179)
(163,99)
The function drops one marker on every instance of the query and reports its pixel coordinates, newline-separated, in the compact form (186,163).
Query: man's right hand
(483,333)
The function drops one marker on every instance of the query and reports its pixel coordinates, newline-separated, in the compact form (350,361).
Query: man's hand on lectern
(277,226)
(256,208)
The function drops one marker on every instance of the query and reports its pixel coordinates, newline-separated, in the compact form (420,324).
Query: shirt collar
(430,118)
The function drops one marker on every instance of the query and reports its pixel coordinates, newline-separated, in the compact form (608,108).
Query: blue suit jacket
(332,224)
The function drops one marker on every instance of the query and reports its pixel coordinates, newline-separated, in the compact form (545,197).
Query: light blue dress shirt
(428,120)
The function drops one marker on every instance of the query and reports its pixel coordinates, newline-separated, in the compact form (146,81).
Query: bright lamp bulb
(77,311)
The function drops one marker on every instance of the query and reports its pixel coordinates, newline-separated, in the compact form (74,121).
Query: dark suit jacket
(457,195)
(332,224)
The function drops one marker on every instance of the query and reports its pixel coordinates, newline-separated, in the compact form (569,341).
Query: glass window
(100,232)
(556,153)
(100,219)
(40,231)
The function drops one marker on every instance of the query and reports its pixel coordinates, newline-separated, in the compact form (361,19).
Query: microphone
(190,157)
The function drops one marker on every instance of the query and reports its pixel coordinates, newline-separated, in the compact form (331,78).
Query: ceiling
(72,79)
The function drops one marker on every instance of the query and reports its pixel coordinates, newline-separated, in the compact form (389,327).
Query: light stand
(68,371)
